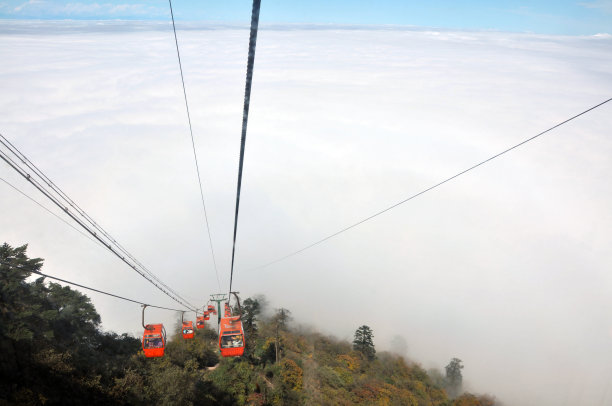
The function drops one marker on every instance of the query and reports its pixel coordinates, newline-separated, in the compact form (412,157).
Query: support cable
(428,189)
(195,156)
(84,287)
(245,118)
(69,202)
(48,211)
(117,250)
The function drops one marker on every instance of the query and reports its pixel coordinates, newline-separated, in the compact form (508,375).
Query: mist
(506,267)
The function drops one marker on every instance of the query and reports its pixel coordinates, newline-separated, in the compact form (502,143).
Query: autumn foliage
(53,353)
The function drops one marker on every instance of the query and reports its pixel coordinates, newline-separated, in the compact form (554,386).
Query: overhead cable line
(429,188)
(195,155)
(84,287)
(59,198)
(48,211)
(245,119)
(67,200)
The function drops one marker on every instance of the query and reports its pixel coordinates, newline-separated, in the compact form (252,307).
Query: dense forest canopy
(53,352)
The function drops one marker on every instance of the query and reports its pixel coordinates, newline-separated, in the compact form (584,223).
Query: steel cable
(178,54)
(245,119)
(428,189)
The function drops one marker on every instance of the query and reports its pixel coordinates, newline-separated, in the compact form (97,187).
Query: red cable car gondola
(200,322)
(231,333)
(211,309)
(206,316)
(153,338)
(187,328)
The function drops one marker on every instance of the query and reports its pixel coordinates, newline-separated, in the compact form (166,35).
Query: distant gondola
(188,332)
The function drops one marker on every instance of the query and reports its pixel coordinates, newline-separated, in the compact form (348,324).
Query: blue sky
(573,17)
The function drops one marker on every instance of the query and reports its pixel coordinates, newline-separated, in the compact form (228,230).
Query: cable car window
(153,342)
(231,341)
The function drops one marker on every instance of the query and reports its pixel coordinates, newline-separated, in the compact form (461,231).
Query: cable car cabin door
(188,330)
(231,337)
(154,340)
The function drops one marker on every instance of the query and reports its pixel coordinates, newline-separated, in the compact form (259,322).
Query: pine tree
(363,342)
(281,318)
(250,311)
(454,377)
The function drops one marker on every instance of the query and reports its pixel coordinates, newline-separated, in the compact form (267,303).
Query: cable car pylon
(217,298)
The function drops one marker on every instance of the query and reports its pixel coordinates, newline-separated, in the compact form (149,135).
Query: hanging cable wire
(245,119)
(428,189)
(67,201)
(49,211)
(63,201)
(82,286)
(195,155)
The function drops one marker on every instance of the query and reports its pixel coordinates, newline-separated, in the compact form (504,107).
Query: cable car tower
(218,298)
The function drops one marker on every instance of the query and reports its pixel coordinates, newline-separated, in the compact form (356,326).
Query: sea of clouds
(506,267)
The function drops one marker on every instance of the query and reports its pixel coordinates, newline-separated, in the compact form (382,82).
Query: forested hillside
(53,352)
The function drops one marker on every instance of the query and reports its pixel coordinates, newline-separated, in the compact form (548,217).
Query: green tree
(291,382)
(50,341)
(281,319)
(251,309)
(453,377)
(363,342)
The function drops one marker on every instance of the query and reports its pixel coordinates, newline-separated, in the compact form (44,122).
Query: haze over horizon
(506,267)
(560,17)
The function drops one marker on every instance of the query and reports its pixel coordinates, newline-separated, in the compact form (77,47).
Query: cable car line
(85,287)
(48,211)
(79,210)
(245,118)
(195,156)
(109,243)
(429,188)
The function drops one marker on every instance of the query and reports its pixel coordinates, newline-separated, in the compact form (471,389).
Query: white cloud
(105,9)
(506,268)
(604,5)
(28,4)
(47,9)
(87,8)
